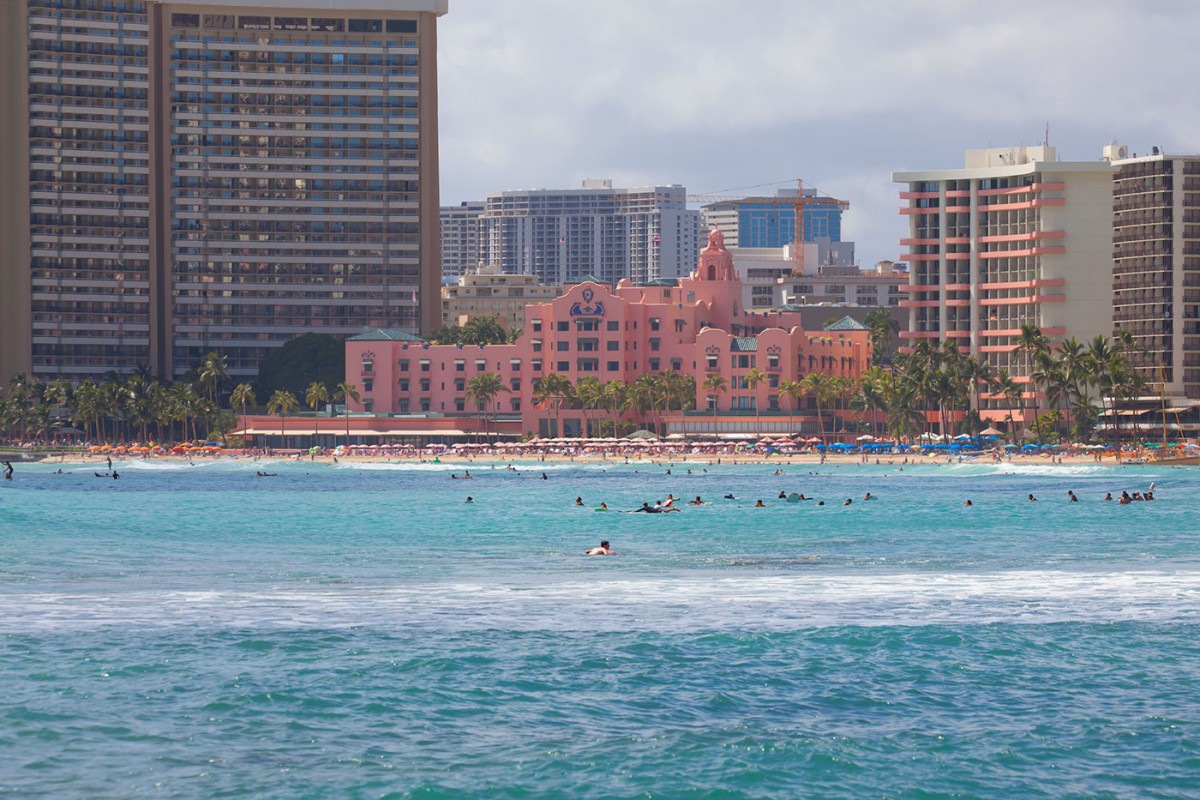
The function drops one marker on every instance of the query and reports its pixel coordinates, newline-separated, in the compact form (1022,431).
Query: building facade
(770,222)
(1156,266)
(642,234)
(461,247)
(696,326)
(489,292)
(1015,237)
(188,177)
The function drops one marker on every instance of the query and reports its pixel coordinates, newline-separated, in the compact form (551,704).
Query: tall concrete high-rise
(1156,265)
(185,177)
(562,235)
(1015,237)
(462,252)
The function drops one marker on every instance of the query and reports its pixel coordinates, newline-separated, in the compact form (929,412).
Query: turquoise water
(338,631)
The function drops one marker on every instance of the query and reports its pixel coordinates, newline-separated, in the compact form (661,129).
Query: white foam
(709,603)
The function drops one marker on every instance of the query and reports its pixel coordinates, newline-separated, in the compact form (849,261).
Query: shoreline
(662,459)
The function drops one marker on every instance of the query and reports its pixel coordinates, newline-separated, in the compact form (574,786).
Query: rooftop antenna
(1047,140)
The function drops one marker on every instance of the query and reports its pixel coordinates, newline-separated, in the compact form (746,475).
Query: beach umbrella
(990,431)
(866,437)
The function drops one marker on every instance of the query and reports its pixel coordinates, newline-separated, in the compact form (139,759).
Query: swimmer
(469,499)
(1071,495)
(1108,496)
(603,507)
(868,496)
(602,550)
(820,502)
(968,503)
(759,504)
(848,502)
(544,477)
(1032,499)
(1125,499)
(579,501)
(115,475)
(98,475)
(730,496)
(782,495)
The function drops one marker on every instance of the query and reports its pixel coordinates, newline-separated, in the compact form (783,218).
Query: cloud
(713,95)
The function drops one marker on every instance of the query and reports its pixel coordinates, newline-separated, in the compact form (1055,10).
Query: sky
(725,95)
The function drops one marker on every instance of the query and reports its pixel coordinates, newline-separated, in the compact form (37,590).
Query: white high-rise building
(1014,237)
(561,235)
(461,250)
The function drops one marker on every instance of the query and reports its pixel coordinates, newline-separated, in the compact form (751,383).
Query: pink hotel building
(698,327)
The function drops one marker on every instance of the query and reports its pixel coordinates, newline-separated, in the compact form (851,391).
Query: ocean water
(361,632)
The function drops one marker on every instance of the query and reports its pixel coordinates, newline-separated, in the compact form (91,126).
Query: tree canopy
(302,361)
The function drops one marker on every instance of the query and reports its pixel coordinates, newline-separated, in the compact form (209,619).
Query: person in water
(868,496)
(646,509)
(578,501)
(696,502)
(1108,495)
(759,504)
(848,502)
(115,475)
(1032,499)
(730,496)
(603,507)
(602,550)
(469,499)
(968,503)
(8,470)
(1071,495)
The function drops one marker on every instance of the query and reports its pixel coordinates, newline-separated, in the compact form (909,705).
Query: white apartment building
(562,235)
(1015,236)
(461,250)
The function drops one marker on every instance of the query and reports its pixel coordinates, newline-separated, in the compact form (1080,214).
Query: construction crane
(798,203)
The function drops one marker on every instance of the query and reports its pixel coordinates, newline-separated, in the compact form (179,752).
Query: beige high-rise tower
(178,178)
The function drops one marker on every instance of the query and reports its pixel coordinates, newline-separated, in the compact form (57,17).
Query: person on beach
(602,550)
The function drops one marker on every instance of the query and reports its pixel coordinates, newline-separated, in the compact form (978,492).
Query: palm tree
(1004,385)
(282,402)
(315,395)
(242,396)
(792,390)
(614,401)
(1030,343)
(714,383)
(590,392)
(344,393)
(753,378)
(213,371)
(883,327)
(483,389)
(817,384)
(553,389)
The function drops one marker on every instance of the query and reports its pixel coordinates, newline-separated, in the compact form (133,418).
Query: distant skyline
(545,93)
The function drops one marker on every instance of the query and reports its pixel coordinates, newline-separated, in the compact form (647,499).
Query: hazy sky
(718,95)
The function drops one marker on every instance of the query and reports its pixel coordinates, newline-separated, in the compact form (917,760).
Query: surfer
(602,550)
(8,470)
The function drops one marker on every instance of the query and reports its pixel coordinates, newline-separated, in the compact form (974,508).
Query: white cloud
(546,92)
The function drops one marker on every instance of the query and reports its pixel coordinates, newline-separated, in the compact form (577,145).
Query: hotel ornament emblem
(587,308)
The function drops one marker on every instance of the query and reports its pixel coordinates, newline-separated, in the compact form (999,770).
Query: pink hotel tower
(697,327)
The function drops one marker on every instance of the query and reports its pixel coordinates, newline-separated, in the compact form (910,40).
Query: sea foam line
(775,603)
